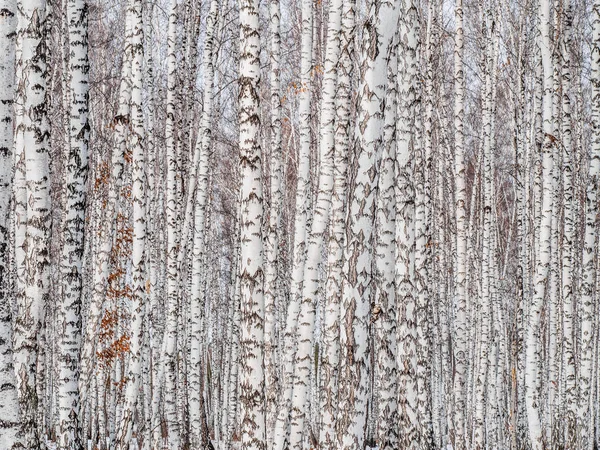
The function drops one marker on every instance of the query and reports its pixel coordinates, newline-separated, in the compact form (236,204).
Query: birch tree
(589,262)
(32,211)
(533,370)
(358,254)
(272,280)
(320,221)
(301,223)
(138,194)
(383,312)
(198,251)
(460,344)
(173,206)
(252,395)
(9,407)
(408,142)
(334,282)
(568,343)
(73,248)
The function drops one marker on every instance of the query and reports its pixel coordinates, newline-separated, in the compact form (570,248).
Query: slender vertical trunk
(138,196)
(310,288)
(407,142)
(568,339)
(460,259)
(543,252)
(173,205)
(301,227)
(424,276)
(331,322)
(585,417)
(199,267)
(272,281)
(487,273)
(384,310)
(9,408)
(71,267)
(252,382)
(32,210)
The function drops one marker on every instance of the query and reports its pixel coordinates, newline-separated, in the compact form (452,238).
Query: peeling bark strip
(32,210)
(252,382)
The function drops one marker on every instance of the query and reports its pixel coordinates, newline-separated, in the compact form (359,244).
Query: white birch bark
(32,211)
(251,370)
(272,281)
(9,407)
(357,287)
(320,220)
(105,236)
(568,337)
(383,313)
(73,247)
(585,420)
(407,142)
(301,227)
(460,260)
(199,268)
(333,290)
(173,205)
(543,252)
(423,241)
(138,195)
(484,374)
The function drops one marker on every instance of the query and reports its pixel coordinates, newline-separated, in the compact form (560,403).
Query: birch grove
(286,225)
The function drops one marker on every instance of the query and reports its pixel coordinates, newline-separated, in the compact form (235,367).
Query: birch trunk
(199,267)
(487,273)
(543,252)
(357,289)
(272,282)
(138,195)
(408,142)
(32,211)
(9,407)
(173,205)
(460,259)
(585,417)
(252,382)
(383,312)
(423,242)
(568,341)
(331,322)
(310,288)
(73,247)
(301,226)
